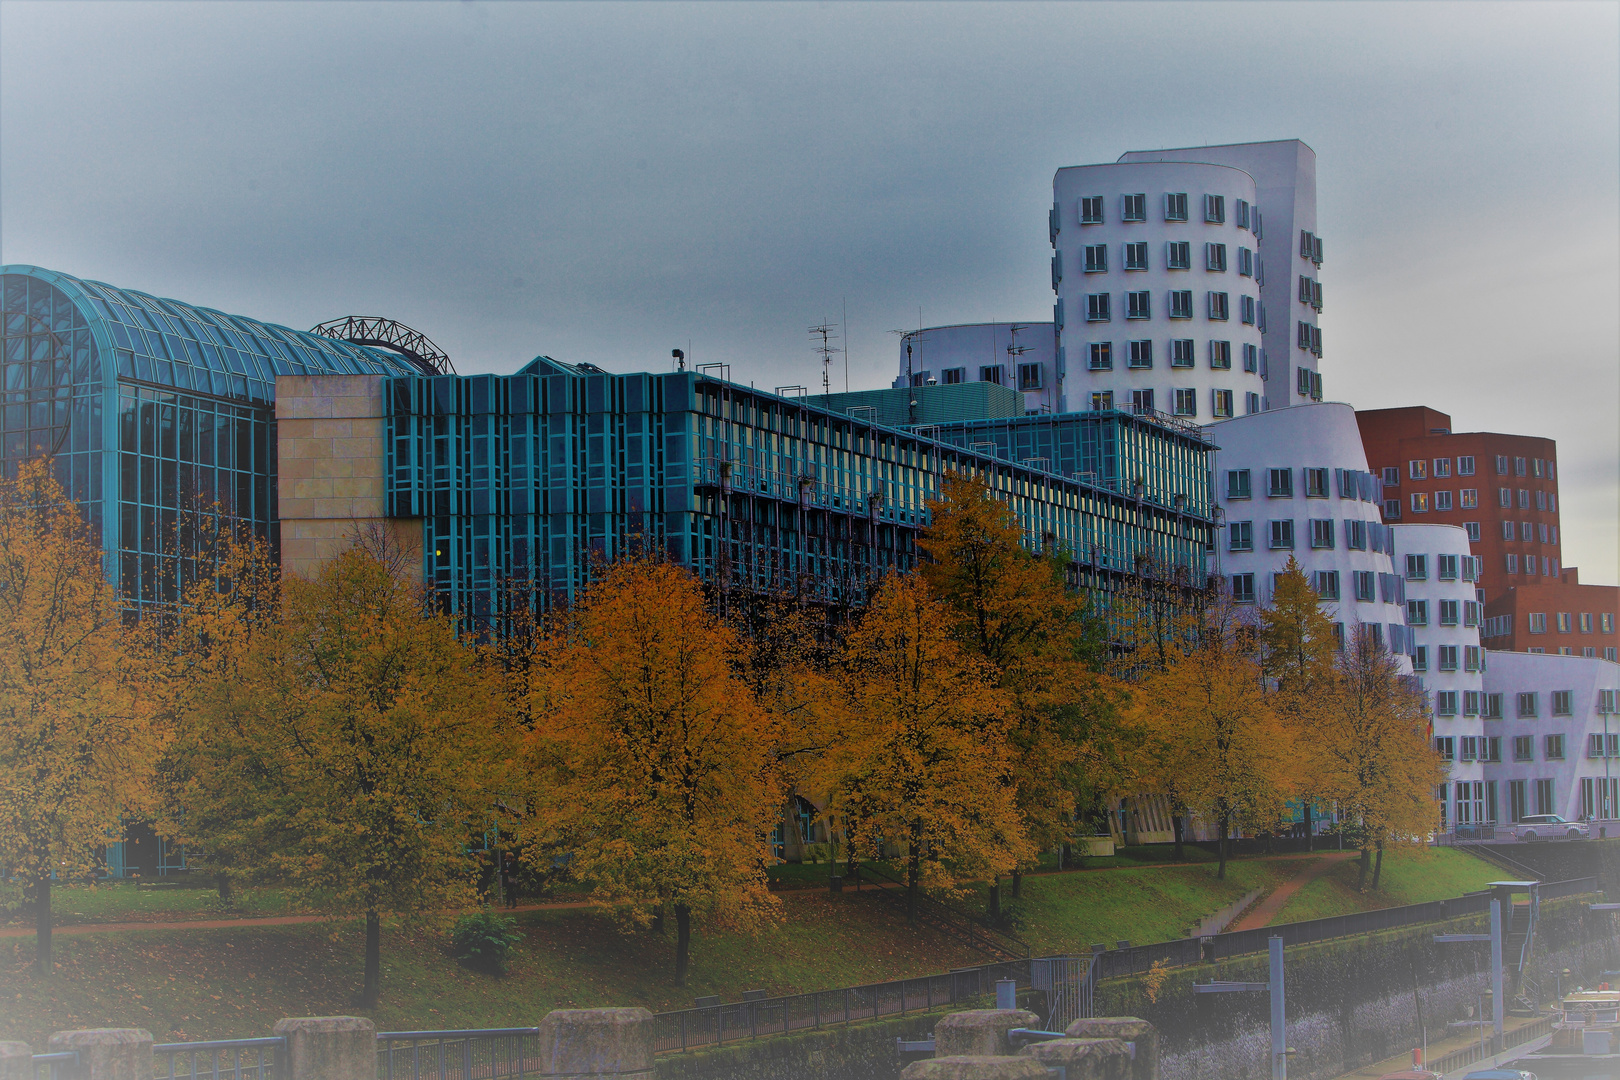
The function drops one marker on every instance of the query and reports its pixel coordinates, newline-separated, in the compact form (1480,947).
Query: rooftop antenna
(1014,350)
(844,315)
(826,350)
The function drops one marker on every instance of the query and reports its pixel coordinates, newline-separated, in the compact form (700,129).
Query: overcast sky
(605,182)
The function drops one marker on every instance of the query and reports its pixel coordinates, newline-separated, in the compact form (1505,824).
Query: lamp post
(1279,1029)
(1495,938)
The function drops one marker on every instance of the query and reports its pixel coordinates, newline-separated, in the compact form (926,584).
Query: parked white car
(1550,827)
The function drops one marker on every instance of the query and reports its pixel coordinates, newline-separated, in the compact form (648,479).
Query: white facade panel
(1019,356)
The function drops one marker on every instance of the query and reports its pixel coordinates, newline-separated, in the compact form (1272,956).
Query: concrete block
(974,1067)
(16,1061)
(1085,1059)
(980,1032)
(329,1047)
(107,1053)
(597,1042)
(1128,1029)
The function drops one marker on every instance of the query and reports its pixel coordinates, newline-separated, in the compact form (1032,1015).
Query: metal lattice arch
(384,333)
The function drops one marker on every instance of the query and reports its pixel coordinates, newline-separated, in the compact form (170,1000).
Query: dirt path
(1266,910)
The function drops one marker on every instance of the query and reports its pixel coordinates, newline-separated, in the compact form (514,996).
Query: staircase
(947,919)
(1518,937)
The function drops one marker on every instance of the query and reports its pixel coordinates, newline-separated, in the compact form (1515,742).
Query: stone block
(107,1053)
(597,1042)
(980,1032)
(1128,1029)
(1085,1059)
(16,1061)
(329,1047)
(974,1067)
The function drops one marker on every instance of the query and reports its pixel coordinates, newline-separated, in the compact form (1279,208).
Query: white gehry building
(1019,356)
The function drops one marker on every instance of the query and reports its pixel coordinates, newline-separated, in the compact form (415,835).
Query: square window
(1141,401)
(1554,747)
(1237,483)
(1512,563)
(1186,403)
(1321,534)
(1243,588)
(954,375)
(1091,210)
(1096,258)
(1392,476)
(1442,500)
(1465,465)
(1470,498)
(1221,403)
(1215,258)
(1280,483)
(1141,354)
(1240,536)
(1420,658)
(1442,467)
(1136,256)
(1326,584)
(1420,502)
(1097,307)
(1181,304)
(1562,621)
(1029,377)
(1366,586)
(1138,305)
(1445,704)
(1102,400)
(1215,209)
(1527,705)
(1417,568)
(1417,613)
(1491,706)
(1450,613)
(1178,255)
(1133,208)
(1181,352)
(1418,469)
(1472,528)
(993,373)
(1447,658)
(1504,499)
(1175,206)
(1220,355)
(1102,356)
(1218,306)
(1561,702)
(1316,483)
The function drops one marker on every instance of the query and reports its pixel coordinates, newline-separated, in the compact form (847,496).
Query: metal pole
(1496,975)
(1279,1028)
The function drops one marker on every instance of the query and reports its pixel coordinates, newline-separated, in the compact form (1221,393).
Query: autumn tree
(1014,610)
(1212,732)
(1298,646)
(655,768)
(77,737)
(924,761)
(340,739)
(1376,758)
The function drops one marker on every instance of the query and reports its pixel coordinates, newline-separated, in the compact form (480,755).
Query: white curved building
(1444,617)
(1019,356)
(1158,299)
(1295,482)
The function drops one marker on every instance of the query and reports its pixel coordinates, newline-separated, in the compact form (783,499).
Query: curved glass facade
(152,408)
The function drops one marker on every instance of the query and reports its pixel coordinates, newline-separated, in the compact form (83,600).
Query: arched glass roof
(170,343)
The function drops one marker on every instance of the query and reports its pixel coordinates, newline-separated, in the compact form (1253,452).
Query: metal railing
(218,1059)
(52,1063)
(1468,1055)
(467,1054)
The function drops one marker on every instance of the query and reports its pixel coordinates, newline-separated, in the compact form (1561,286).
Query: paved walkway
(1262,913)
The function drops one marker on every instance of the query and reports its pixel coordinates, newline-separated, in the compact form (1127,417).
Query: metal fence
(474,1054)
(1466,1056)
(221,1059)
(52,1064)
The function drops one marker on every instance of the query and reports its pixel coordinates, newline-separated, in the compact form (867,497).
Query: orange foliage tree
(1298,647)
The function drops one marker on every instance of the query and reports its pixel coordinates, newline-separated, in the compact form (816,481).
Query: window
(1186,402)
(1445,704)
(1418,469)
(1181,349)
(1321,534)
(1442,500)
(1501,465)
(1215,209)
(1091,210)
(1512,563)
(1417,567)
(1242,210)
(1175,206)
(1102,400)
(1141,354)
(1221,403)
(1326,584)
(1220,355)
(1541,500)
(1280,483)
(1508,531)
(1133,208)
(1504,499)
(1538,622)
(1490,748)
(1448,612)
(1246,310)
(1240,536)
(1316,483)
(1218,306)
(1097,308)
(1243,588)
(1442,468)
(1553,748)
(1366,586)
(1102,356)
(1538,468)
(1420,658)
(1251,358)
(1446,747)
(1470,702)
(1606,622)
(1606,702)
(1515,793)
(1029,376)
(1178,255)
(1096,258)
(1471,610)
(1472,529)
(1447,567)
(1181,303)
(1420,502)
(1215,258)
(1524,747)
(1142,401)
(1518,466)
(1448,658)
(1251,403)
(1465,465)
(954,375)
(1561,702)
(1282,536)
(1491,707)
(1470,498)
(1417,613)
(1562,622)
(1237,483)
(1469,750)
(1471,658)
(1527,532)
(1355,535)
(1585,622)
(1305,245)
(1136,256)
(992,373)
(1527,705)
(1245,262)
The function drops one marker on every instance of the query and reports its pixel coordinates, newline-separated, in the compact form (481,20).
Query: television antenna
(826,350)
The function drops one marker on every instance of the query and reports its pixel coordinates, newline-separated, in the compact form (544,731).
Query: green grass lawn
(170,900)
(1411,876)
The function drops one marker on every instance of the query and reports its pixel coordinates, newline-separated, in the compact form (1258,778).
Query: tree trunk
(222,882)
(658,919)
(42,924)
(995,899)
(1177,824)
(1018,883)
(1378,865)
(913,874)
(1226,827)
(371,993)
(1361,877)
(1310,826)
(683,941)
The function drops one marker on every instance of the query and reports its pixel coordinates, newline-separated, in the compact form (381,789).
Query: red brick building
(1560,616)
(1503,489)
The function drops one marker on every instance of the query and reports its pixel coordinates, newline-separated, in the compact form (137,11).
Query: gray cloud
(603,182)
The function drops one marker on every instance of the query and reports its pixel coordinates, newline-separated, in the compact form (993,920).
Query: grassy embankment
(1409,877)
(212,983)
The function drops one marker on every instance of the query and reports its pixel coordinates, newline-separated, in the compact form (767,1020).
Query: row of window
(1451,613)
(1446,568)
(1350,483)
(1528,531)
(1310,246)
(1308,338)
(1182,354)
(1524,750)
(1309,383)
(1139,305)
(1443,501)
(1545,500)
(1485,748)
(1133,208)
(1280,535)
(1183,401)
(1177,256)
(1565,622)
(1446,660)
(1310,292)
(1420,468)
(1367,587)
(1549,565)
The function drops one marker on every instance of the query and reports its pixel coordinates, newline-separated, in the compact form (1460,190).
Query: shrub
(483,941)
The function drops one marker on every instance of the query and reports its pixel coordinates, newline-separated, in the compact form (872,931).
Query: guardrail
(267,1061)
(53,1063)
(464,1054)
(1468,1055)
